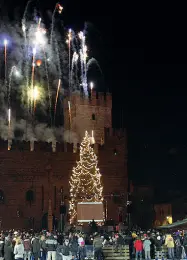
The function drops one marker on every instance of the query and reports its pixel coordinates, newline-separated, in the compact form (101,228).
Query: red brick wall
(21,170)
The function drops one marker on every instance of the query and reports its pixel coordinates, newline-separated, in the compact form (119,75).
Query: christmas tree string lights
(85,181)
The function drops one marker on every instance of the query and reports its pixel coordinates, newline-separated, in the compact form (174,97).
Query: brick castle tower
(93,114)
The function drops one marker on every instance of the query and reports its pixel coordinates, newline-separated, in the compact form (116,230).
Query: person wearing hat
(147,248)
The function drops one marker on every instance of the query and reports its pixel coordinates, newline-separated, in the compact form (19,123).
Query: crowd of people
(29,246)
(154,245)
(47,246)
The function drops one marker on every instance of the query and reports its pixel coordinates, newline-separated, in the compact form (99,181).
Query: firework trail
(24,28)
(48,87)
(83,60)
(58,8)
(5,59)
(24,16)
(91,62)
(58,58)
(25,46)
(32,76)
(52,24)
(13,69)
(91,87)
(56,100)
(69,54)
(73,64)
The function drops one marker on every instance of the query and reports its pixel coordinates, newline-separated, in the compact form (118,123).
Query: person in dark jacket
(36,247)
(82,251)
(158,247)
(98,244)
(43,248)
(1,247)
(8,251)
(185,243)
(178,247)
(119,243)
(74,246)
(51,246)
(66,250)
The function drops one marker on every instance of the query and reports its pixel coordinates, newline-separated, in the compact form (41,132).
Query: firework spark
(42,57)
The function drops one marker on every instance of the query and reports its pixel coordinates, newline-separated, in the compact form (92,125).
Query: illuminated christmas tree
(85,181)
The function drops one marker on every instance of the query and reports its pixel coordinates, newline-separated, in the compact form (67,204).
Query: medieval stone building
(33,172)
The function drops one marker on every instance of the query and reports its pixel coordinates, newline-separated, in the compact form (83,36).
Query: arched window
(1,197)
(93,116)
(30,196)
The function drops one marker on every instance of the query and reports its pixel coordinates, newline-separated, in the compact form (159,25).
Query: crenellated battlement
(17,145)
(95,99)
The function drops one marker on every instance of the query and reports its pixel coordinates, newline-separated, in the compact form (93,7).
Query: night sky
(142,53)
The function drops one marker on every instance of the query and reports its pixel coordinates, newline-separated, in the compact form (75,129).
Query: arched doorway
(45,222)
(29,196)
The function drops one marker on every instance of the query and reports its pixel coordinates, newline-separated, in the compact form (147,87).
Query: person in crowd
(51,246)
(1,247)
(98,244)
(19,250)
(138,245)
(74,246)
(27,247)
(43,247)
(170,246)
(66,250)
(119,243)
(185,243)
(36,247)
(152,239)
(8,251)
(80,239)
(147,248)
(178,247)
(82,252)
(158,247)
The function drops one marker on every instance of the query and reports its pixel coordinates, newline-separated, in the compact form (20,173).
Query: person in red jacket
(138,245)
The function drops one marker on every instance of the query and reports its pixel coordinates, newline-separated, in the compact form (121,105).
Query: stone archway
(45,221)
